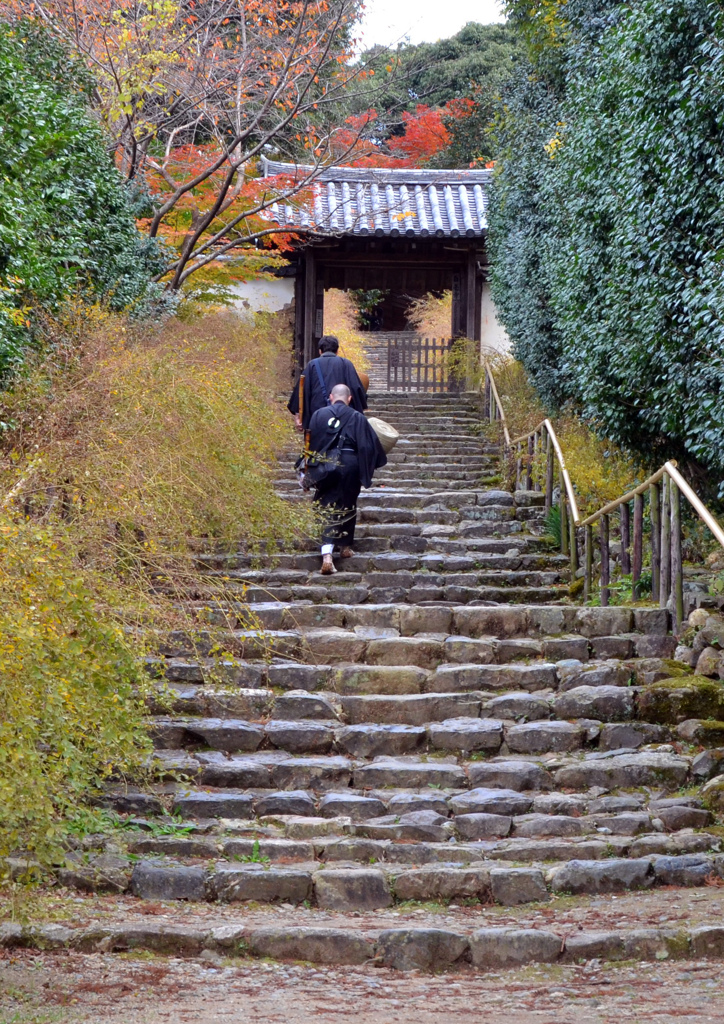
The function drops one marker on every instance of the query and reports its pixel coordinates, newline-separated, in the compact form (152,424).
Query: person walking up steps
(345,454)
(320,376)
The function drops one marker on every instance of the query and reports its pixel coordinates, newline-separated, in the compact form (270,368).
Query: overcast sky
(387,21)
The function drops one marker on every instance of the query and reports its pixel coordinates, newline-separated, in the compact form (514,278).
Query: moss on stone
(676,699)
(710,734)
(676,669)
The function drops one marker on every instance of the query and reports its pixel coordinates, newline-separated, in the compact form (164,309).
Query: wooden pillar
(310,292)
(478,308)
(470,294)
(605,561)
(456,329)
(299,363)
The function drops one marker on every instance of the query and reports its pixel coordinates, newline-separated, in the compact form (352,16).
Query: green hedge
(607,225)
(67,220)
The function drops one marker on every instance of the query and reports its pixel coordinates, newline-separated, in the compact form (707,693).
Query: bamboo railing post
(625,539)
(665,585)
(638,541)
(588,566)
(605,561)
(564,515)
(486,395)
(573,545)
(518,468)
(549,473)
(655,513)
(538,439)
(677,571)
(529,467)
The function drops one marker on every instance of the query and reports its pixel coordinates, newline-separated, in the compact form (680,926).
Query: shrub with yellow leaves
(600,471)
(127,453)
(340,319)
(71,695)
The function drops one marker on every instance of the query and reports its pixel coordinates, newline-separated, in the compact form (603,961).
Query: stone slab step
(610,770)
(352,887)
(420,945)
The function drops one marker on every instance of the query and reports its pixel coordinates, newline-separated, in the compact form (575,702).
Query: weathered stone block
(497,948)
(285,802)
(604,621)
(298,705)
(232,884)
(518,775)
(482,826)
(616,875)
(422,949)
(467,651)
(315,945)
(442,882)
(466,734)
(225,804)
(304,737)
(377,739)
(513,886)
(167,881)
(692,870)
(604,703)
(351,889)
(541,737)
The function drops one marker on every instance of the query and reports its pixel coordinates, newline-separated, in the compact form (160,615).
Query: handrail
(664,488)
(501,410)
(564,472)
(695,501)
(641,489)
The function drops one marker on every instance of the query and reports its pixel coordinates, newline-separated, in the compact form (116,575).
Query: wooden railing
(664,489)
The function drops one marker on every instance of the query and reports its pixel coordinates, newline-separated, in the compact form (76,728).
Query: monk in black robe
(338,427)
(334,370)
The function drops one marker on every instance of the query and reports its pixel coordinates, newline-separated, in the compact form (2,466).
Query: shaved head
(340,393)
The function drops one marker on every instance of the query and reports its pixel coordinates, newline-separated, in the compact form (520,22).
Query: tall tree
(193,92)
(606,220)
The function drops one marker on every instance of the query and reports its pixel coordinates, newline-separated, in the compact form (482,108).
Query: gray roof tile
(376,201)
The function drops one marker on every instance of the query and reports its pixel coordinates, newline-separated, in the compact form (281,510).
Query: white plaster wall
(263,295)
(492,332)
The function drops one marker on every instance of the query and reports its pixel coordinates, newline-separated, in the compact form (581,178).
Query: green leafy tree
(471,66)
(67,221)
(607,227)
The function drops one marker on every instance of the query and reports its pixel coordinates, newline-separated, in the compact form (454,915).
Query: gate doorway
(415,363)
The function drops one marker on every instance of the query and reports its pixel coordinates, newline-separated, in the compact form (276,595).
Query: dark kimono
(361,455)
(335,370)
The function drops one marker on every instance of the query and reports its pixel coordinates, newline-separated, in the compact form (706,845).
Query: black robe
(354,426)
(361,455)
(335,370)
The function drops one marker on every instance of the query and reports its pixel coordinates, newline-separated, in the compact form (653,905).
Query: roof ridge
(413,175)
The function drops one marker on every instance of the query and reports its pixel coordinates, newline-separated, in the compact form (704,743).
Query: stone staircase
(436,722)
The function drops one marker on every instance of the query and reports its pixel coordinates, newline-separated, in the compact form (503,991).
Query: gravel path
(669,907)
(60,988)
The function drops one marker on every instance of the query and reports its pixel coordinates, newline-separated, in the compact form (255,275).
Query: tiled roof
(373,201)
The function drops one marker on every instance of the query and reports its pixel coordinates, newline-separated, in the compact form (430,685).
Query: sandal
(346,553)
(327,566)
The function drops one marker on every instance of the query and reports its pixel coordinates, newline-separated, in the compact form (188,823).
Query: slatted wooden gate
(415,363)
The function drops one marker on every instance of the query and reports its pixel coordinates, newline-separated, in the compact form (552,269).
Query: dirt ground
(143,988)
(662,907)
(60,988)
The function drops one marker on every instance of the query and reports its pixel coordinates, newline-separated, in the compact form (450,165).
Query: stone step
(475,729)
(357,880)
(421,942)
(522,543)
(362,571)
(464,664)
(661,770)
